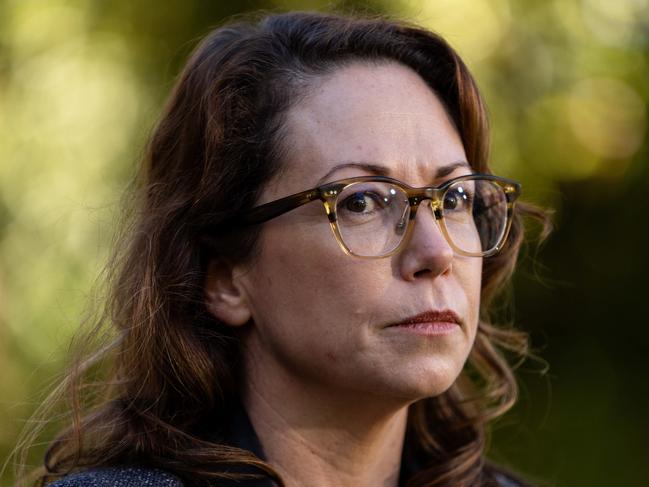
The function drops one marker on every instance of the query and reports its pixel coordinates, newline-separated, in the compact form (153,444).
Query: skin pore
(327,382)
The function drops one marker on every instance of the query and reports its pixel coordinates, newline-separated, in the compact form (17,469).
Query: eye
(458,199)
(362,201)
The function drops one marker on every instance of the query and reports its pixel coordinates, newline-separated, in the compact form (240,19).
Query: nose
(427,252)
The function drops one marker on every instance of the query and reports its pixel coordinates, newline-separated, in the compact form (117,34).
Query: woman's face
(321,317)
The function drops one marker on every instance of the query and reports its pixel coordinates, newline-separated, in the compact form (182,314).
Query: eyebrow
(379,170)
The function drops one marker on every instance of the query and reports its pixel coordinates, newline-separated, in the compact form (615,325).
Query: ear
(225,296)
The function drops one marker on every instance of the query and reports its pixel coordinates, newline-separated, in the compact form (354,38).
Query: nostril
(422,273)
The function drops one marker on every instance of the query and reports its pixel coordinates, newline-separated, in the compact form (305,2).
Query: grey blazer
(149,477)
(119,477)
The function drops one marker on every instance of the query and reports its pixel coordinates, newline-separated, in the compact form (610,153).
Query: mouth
(433,322)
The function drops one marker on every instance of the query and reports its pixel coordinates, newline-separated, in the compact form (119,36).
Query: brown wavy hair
(155,366)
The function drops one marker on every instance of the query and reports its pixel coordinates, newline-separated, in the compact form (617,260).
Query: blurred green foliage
(81,84)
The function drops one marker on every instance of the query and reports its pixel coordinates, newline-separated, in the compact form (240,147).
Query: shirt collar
(241,434)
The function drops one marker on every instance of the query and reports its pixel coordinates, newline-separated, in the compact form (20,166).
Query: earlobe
(225,297)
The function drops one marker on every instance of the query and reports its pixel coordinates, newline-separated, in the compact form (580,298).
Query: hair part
(169,366)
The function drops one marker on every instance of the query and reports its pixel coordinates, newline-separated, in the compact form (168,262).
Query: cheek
(305,264)
(303,276)
(310,301)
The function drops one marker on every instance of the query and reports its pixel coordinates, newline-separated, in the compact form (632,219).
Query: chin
(422,382)
(432,389)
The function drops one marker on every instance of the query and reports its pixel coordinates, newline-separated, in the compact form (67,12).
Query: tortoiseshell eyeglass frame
(328,194)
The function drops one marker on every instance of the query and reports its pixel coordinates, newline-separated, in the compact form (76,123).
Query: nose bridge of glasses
(434,195)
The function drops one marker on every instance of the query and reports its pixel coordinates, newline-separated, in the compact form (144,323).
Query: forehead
(383,114)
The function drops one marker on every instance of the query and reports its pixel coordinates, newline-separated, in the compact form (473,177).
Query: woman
(302,294)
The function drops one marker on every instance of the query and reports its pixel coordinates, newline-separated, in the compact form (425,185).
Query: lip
(432,322)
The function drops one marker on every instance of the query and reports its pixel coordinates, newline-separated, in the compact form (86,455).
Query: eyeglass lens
(372,216)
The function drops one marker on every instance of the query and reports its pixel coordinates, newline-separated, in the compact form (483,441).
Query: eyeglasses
(372,216)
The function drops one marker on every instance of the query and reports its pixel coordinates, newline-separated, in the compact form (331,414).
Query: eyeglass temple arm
(274,209)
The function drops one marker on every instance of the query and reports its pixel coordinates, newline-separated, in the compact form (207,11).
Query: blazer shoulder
(119,477)
(506,479)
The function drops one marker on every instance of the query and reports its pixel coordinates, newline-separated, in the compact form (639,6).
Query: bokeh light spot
(489,20)
(608,117)
(614,22)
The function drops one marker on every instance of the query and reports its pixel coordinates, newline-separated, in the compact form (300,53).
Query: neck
(315,436)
